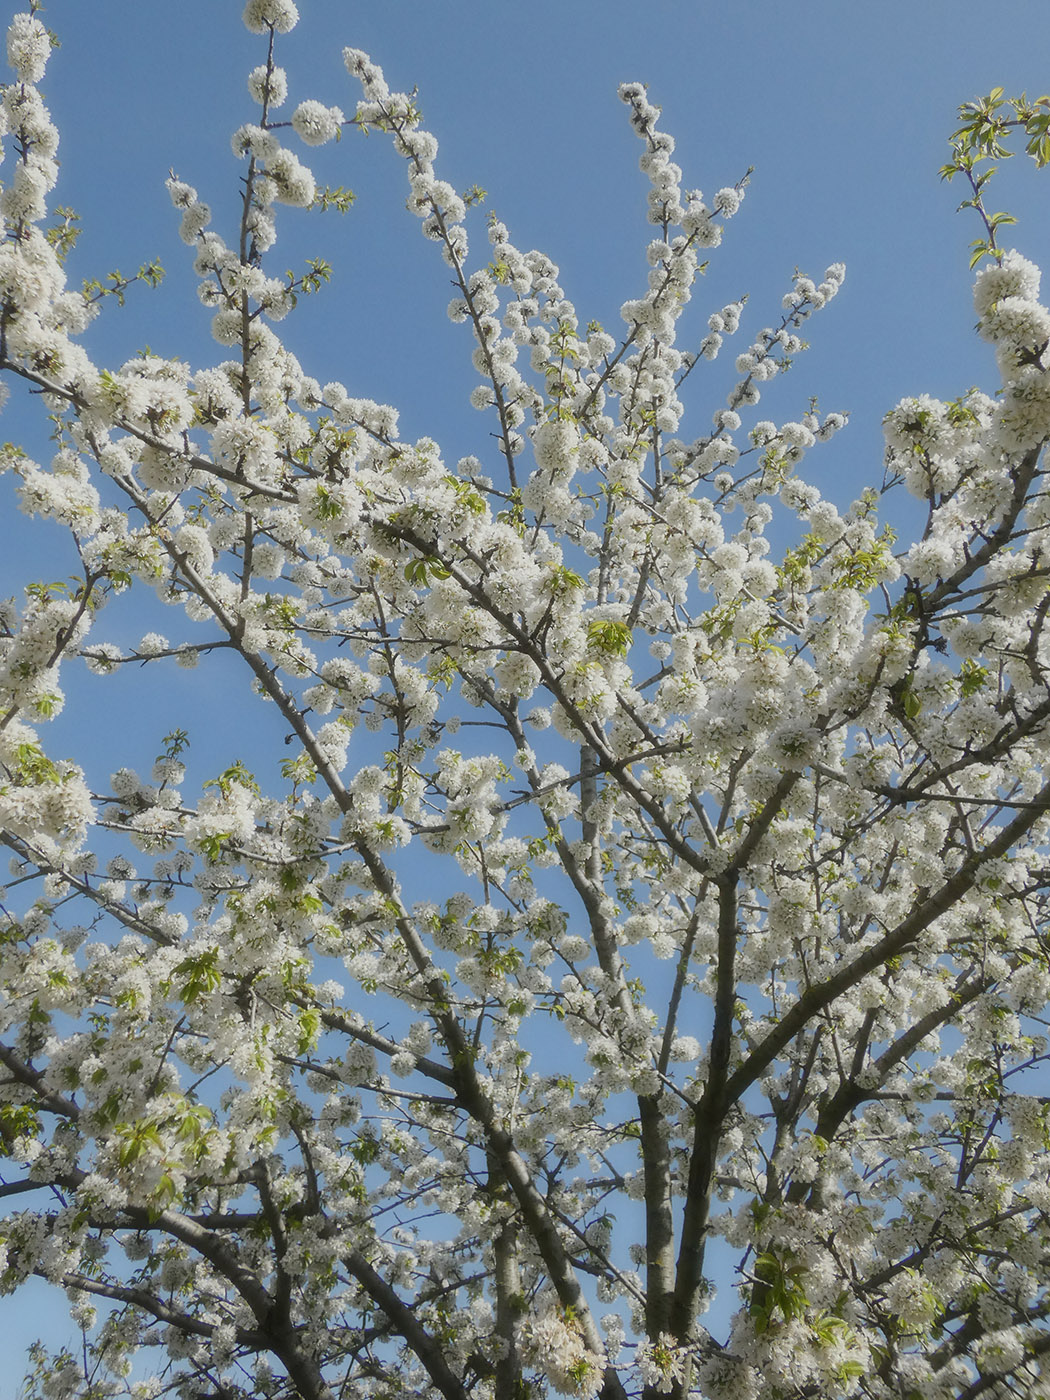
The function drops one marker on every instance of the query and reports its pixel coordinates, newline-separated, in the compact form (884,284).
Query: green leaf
(236,773)
(309,1029)
(201,971)
(333,197)
(610,638)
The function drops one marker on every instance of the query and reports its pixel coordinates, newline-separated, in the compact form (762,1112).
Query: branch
(406,1325)
(822,994)
(708,1118)
(156,1307)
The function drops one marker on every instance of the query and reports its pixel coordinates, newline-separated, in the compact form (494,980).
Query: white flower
(315,124)
(555,443)
(254,140)
(268,86)
(294,183)
(552,1341)
(1021,323)
(797,435)
(278,15)
(102,657)
(28,48)
(1015,276)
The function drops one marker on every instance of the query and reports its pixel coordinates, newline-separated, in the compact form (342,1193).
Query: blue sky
(843,110)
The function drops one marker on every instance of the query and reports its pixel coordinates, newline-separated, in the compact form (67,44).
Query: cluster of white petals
(651,873)
(278,16)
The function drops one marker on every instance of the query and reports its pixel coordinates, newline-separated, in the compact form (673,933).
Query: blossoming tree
(726,957)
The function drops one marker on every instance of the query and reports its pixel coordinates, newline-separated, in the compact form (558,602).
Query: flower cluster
(679,835)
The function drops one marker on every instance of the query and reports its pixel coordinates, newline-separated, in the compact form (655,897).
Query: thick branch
(708,1120)
(406,1324)
(822,994)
